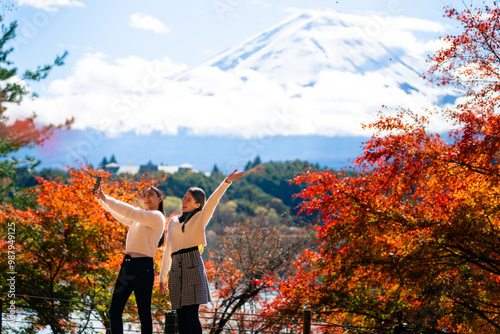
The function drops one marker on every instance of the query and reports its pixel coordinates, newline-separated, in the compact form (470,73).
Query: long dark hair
(200,198)
(162,210)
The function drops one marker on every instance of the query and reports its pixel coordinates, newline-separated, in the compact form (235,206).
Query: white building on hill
(115,168)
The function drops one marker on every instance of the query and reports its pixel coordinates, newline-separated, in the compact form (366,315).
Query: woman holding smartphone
(187,281)
(137,271)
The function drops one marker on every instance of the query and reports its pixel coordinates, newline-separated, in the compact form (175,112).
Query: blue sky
(112,45)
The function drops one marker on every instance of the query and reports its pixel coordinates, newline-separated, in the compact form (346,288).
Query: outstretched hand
(234,176)
(99,194)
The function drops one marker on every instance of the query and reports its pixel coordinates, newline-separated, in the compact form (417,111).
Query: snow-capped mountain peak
(300,48)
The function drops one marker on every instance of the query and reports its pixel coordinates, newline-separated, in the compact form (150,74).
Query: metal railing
(83,319)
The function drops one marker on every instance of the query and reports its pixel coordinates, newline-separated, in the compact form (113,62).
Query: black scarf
(184,215)
(184,218)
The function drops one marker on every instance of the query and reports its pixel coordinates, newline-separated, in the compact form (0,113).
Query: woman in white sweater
(137,270)
(187,281)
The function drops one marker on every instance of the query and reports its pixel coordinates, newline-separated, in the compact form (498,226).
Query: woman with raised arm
(137,271)
(187,281)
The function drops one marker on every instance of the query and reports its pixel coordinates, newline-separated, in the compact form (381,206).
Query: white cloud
(301,85)
(51,5)
(137,95)
(147,22)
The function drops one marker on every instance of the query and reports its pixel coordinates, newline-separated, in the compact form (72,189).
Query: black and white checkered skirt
(187,280)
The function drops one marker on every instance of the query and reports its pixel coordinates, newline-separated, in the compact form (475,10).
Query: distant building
(128,170)
(169,169)
(115,168)
(112,167)
(150,167)
(186,167)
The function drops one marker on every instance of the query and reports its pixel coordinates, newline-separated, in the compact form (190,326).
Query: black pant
(137,275)
(188,320)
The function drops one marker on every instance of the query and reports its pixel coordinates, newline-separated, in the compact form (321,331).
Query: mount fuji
(298,50)
(312,79)
(330,71)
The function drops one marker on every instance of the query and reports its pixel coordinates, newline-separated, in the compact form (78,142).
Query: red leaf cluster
(416,227)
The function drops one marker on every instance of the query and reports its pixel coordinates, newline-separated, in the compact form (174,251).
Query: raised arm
(234,176)
(126,213)
(150,218)
(213,200)
(120,218)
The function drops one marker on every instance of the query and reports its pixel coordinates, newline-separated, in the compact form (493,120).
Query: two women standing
(182,262)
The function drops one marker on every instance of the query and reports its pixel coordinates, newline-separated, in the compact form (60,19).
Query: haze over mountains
(298,90)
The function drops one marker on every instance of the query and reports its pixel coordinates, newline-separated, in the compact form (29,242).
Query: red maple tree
(417,227)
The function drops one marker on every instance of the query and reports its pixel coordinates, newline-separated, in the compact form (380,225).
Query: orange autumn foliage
(68,247)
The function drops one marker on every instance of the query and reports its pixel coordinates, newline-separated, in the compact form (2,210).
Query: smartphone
(97,183)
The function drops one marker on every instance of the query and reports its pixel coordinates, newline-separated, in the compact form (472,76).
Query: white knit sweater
(145,226)
(194,230)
